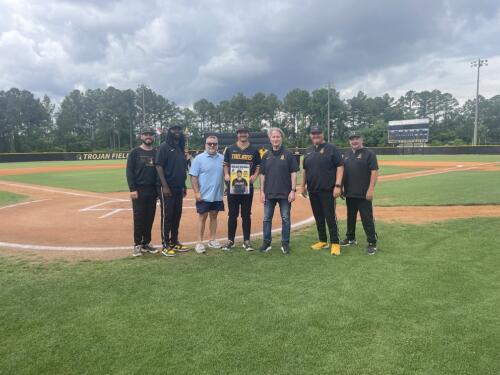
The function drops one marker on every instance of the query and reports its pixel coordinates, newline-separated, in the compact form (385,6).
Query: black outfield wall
(432,150)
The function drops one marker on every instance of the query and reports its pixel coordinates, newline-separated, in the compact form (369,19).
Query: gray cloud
(193,49)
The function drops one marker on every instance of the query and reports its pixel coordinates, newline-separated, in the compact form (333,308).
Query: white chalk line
(39,188)
(17,246)
(112,248)
(23,203)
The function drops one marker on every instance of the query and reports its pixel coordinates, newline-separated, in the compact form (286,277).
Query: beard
(147,142)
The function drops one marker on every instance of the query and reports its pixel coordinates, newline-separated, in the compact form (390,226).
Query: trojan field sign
(102,156)
(409,131)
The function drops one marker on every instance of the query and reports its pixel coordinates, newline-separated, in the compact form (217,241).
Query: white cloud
(215,48)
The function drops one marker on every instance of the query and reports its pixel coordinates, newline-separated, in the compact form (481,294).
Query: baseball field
(74,301)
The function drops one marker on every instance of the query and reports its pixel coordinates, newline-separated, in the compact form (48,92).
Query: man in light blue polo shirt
(207,180)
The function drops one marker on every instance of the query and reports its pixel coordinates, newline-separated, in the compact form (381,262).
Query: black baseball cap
(148,129)
(355,134)
(242,128)
(175,126)
(315,129)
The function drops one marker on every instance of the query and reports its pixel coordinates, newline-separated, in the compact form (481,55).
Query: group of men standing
(327,175)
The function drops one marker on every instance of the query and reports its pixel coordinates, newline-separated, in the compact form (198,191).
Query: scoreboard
(409,131)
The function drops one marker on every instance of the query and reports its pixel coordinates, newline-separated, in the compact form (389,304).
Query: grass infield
(112,180)
(7,198)
(453,188)
(427,303)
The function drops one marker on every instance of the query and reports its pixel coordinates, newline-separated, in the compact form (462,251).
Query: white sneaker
(137,251)
(214,244)
(199,248)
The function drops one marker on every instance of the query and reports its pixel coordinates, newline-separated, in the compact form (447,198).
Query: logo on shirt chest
(359,157)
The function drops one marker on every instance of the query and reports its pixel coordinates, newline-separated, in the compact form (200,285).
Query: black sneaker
(149,248)
(371,249)
(285,248)
(247,245)
(266,246)
(347,242)
(228,245)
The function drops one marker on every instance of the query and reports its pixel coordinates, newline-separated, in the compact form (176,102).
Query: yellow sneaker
(319,245)
(335,249)
(169,252)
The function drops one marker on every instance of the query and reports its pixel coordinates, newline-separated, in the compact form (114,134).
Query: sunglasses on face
(212,144)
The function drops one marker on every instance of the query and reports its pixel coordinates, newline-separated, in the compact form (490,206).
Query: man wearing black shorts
(141,179)
(245,158)
(321,180)
(360,177)
(171,165)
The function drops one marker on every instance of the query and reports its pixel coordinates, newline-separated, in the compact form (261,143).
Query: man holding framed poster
(241,169)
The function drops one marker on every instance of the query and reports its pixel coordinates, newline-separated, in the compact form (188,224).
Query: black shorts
(204,207)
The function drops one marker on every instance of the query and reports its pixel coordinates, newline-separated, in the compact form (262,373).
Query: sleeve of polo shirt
(160,156)
(256,158)
(263,165)
(195,167)
(292,163)
(337,158)
(227,158)
(372,162)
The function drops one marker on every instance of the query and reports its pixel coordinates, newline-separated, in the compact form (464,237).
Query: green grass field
(426,304)
(7,198)
(113,180)
(454,188)
(481,158)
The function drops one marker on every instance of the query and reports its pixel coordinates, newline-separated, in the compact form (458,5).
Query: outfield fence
(112,155)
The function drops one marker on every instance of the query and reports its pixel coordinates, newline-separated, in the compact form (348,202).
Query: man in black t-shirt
(360,177)
(322,174)
(277,186)
(241,155)
(171,165)
(141,179)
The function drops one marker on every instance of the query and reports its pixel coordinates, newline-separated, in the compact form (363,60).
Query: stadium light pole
(477,64)
(328,112)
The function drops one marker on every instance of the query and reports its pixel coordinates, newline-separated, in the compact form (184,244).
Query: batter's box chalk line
(111,211)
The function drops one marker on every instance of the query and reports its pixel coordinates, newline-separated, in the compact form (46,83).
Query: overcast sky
(187,50)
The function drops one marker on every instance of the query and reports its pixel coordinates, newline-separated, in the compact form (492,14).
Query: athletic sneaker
(319,245)
(247,245)
(371,249)
(179,247)
(266,246)
(285,248)
(347,242)
(136,252)
(149,248)
(335,249)
(214,244)
(199,248)
(169,252)
(228,245)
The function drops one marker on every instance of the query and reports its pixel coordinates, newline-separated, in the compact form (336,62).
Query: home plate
(459,166)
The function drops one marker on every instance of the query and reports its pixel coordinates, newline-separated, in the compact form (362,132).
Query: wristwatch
(294,190)
(337,185)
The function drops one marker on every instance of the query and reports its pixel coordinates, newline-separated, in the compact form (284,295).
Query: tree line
(109,119)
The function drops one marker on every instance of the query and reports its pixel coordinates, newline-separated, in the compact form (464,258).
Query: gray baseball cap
(355,134)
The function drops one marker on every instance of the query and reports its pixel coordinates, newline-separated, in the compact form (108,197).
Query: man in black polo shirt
(171,165)
(141,179)
(278,185)
(241,169)
(322,174)
(360,177)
